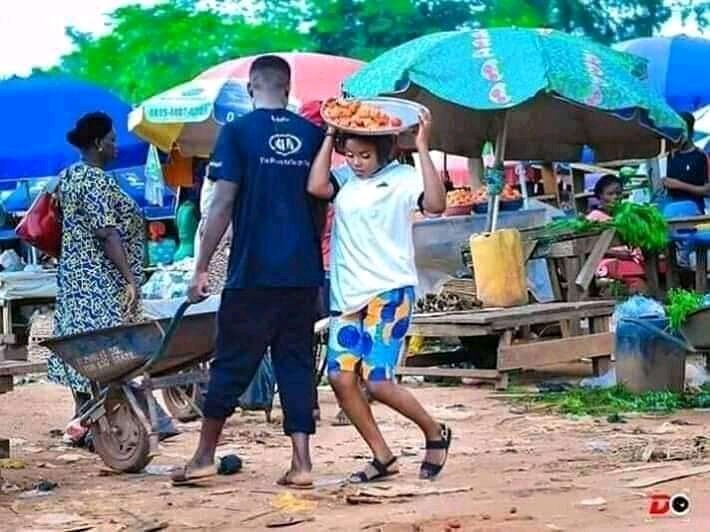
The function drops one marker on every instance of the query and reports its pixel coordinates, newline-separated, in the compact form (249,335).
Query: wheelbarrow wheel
(125,446)
(177,403)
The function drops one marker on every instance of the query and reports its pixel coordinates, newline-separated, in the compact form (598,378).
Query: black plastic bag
(260,393)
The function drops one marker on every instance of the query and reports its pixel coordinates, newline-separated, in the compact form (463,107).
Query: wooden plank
(545,353)
(675,475)
(484,374)
(528,249)
(472,329)
(591,169)
(554,279)
(444,330)
(6,383)
(4,448)
(672,268)
(15,368)
(586,274)
(651,268)
(571,270)
(581,309)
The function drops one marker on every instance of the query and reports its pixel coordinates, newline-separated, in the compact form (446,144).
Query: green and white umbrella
(537,94)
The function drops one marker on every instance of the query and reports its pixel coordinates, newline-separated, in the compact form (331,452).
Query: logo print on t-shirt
(284,144)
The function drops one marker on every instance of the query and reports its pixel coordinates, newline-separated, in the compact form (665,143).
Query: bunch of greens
(618,400)
(641,226)
(680,304)
(573,226)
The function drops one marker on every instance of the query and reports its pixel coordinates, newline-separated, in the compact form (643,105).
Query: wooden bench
(8,371)
(596,345)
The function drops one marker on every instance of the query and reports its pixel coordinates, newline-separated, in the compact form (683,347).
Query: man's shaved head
(270,73)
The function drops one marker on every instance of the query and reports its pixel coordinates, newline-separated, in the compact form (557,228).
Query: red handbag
(41,226)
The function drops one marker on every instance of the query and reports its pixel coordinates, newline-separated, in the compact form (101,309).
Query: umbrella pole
(494,202)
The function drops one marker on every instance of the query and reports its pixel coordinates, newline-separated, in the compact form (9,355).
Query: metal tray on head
(109,355)
(408,112)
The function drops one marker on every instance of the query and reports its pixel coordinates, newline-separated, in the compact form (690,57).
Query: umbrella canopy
(677,68)
(190,115)
(313,76)
(38,112)
(557,93)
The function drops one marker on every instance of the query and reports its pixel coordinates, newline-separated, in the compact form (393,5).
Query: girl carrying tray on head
(372,283)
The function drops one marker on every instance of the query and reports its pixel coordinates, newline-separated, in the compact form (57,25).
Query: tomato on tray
(371,116)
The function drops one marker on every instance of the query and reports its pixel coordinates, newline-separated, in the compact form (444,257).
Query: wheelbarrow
(163,354)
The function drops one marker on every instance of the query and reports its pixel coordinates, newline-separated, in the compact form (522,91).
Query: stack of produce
(459,197)
(637,226)
(641,226)
(353,114)
(509,193)
(444,302)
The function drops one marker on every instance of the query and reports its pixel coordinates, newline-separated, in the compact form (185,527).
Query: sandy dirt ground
(509,470)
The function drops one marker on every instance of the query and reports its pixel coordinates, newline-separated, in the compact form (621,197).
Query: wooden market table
(8,371)
(511,356)
(701,254)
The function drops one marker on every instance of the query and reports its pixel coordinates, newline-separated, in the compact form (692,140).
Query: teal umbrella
(537,94)
(561,93)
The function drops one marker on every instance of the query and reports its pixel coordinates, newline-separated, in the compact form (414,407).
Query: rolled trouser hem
(217,412)
(293,429)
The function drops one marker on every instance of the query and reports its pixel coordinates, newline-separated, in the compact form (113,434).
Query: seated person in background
(621,262)
(687,170)
(607,191)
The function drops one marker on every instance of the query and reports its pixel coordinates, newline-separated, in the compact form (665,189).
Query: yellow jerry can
(499,269)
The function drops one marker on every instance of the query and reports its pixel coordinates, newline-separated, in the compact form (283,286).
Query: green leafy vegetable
(680,304)
(641,226)
(572,227)
(618,400)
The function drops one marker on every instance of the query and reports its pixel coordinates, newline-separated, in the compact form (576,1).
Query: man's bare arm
(218,219)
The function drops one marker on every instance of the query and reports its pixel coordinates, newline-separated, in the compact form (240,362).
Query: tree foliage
(150,49)
(364,29)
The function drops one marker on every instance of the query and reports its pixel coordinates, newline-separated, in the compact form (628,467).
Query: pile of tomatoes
(353,114)
(509,193)
(462,197)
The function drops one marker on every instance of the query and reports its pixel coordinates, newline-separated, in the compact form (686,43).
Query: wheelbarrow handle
(167,339)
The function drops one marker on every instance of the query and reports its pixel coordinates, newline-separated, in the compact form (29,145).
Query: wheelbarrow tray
(696,328)
(116,353)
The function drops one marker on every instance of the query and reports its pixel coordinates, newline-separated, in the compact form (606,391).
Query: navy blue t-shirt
(690,167)
(268,154)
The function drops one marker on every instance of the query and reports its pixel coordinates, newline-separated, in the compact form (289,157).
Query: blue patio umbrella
(677,68)
(36,114)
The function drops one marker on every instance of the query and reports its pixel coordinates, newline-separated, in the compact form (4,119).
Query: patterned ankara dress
(91,290)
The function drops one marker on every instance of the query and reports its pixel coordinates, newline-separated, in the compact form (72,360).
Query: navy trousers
(249,321)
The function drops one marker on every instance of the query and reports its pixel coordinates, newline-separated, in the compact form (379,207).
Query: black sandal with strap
(428,470)
(383,472)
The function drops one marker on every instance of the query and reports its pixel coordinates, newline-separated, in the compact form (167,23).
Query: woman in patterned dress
(101,263)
